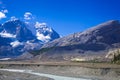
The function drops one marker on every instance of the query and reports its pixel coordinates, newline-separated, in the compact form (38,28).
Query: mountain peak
(45,33)
(13,21)
(113,21)
(40,25)
(110,22)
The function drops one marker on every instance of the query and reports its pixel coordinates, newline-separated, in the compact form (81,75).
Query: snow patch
(7,35)
(15,43)
(42,37)
(40,25)
(5,59)
(13,18)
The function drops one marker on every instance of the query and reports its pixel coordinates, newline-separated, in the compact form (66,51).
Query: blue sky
(65,16)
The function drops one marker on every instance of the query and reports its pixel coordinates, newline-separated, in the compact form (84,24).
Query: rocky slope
(90,44)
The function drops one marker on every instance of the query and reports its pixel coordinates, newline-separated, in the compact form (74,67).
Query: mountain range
(36,41)
(18,37)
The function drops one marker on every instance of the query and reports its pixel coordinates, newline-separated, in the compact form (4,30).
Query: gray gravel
(70,71)
(5,75)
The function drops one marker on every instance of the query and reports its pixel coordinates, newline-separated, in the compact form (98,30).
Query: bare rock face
(92,43)
(105,33)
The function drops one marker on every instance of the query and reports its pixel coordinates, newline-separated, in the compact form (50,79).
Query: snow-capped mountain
(45,33)
(17,37)
(42,31)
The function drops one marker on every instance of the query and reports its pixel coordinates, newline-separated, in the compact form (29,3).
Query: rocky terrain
(93,43)
(90,71)
(24,40)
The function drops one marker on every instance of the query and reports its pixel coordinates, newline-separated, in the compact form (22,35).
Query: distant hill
(93,43)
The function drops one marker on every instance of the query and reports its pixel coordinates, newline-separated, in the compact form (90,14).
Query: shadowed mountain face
(17,38)
(94,42)
(18,29)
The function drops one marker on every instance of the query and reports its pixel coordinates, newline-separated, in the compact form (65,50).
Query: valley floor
(64,63)
(99,71)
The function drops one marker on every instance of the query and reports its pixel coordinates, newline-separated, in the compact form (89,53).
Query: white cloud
(4,11)
(28,16)
(2,15)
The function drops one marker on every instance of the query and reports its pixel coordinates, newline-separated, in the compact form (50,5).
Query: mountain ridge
(92,43)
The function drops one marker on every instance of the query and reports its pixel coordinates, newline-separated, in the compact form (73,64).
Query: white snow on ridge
(13,18)
(40,25)
(42,37)
(41,29)
(7,35)
(15,43)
